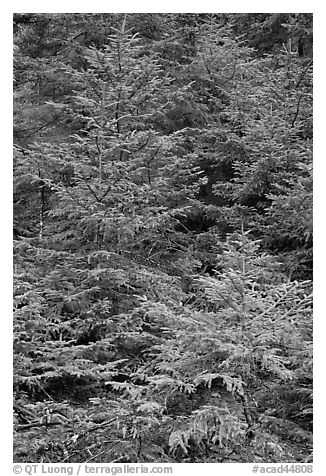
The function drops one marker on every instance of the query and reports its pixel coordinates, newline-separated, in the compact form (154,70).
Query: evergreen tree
(162,238)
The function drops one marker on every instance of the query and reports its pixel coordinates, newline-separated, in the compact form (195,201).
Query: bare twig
(38,129)
(297,110)
(303,74)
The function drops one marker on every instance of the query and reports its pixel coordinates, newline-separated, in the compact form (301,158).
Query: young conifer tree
(127,178)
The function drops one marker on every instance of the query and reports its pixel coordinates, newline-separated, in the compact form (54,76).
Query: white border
(319,196)
(167,6)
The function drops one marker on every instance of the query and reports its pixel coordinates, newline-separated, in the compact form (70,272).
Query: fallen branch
(37,424)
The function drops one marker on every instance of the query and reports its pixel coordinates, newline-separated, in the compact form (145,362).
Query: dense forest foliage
(162,237)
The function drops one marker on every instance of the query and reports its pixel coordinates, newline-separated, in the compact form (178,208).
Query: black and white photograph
(162,240)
